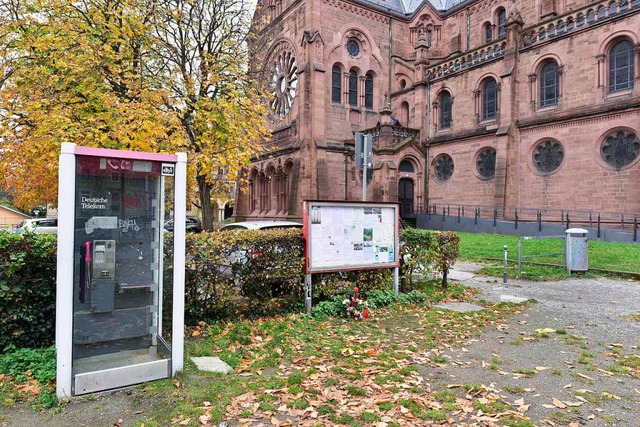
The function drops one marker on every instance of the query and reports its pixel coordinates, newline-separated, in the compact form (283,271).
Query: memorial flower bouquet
(357,308)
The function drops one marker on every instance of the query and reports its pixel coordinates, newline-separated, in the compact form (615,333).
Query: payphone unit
(112,329)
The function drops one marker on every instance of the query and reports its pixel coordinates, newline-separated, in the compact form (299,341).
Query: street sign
(364,149)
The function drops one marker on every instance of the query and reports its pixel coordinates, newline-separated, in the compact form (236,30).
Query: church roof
(408,7)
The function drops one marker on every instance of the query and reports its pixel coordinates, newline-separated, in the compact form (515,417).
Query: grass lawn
(623,257)
(294,370)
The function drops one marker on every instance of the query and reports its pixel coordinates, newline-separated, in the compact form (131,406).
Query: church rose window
(620,149)
(284,83)
(443,167)
(548,156)
(353,48)
(486,163)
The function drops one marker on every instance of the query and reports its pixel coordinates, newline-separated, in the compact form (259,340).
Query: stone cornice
(358,10)
(579,116)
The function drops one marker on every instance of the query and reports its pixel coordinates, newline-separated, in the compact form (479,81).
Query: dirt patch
(120,408)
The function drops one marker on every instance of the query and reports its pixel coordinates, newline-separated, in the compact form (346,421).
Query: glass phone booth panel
(117,297)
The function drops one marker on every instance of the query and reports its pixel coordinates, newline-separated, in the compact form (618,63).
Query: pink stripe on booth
(133,155)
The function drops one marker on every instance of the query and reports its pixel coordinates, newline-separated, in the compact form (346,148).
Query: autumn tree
(75,71)
(202,61)
(148,75)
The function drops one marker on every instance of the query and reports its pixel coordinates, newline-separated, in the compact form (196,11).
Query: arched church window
(446,110)
(368,91)
(336,84)
(549,84)
(621,66)
(502,23)
(489,100)
(353,88)
(406,166)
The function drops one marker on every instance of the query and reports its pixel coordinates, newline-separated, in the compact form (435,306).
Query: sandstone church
(529,103)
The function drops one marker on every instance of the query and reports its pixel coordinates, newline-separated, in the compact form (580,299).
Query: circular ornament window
(443,167)
(284,83)
(486,163)
(620,149)
(548,156)
(353,48)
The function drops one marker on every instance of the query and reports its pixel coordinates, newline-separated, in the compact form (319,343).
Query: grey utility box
(577,249)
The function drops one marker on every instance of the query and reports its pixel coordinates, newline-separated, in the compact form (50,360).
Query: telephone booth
(119,298)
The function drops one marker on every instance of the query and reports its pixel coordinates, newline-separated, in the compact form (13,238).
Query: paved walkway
(566,377)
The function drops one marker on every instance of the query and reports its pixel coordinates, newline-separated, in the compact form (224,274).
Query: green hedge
(241,272)
(27,289)
(227,274)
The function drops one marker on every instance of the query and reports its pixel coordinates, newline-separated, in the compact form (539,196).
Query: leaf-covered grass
(28,376)
(621,257)
(327,367)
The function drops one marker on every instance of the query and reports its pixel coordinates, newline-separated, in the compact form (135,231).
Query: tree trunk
(204,193)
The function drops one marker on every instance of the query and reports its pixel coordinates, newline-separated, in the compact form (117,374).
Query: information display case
(110,287)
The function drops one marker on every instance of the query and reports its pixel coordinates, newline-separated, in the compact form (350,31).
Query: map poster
(350,235)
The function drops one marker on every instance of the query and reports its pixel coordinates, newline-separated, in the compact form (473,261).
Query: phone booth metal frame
(109,295)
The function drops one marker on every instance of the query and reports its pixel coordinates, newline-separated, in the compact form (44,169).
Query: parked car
(260,225)
(193,225)
(38,226)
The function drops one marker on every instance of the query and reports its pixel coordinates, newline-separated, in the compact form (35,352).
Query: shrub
(416,253)
(27,289)
(447,249)
(238,271)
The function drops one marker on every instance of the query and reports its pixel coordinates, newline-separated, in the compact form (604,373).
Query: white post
(307,293)
(396,280)
(179,236)
(64,275)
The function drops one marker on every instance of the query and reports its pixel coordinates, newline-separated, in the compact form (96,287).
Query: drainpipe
(390,71)
(468,29)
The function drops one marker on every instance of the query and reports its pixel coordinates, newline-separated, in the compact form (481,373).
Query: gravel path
(573,366)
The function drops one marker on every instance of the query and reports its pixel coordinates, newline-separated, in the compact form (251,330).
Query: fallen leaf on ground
(558,403)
